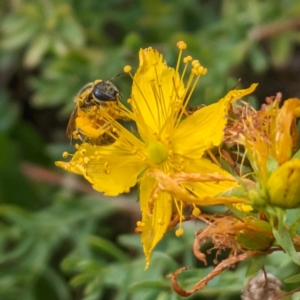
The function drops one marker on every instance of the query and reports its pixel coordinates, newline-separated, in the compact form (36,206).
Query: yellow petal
(155,221)
(211,188)
(110,169)
(204,129)
(284,139)
(181,186)
(153,92)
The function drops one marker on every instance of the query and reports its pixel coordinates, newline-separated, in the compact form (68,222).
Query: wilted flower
(270,138)
(262,286)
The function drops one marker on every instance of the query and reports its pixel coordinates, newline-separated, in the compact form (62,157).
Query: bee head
(105,91)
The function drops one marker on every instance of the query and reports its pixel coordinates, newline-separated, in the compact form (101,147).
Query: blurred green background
(59,239)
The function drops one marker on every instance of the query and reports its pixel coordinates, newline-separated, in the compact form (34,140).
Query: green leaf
(297,154)
(72,32)
(8,113)
(295,226)
(258,59)
(283,237)
(108,247)
(37,49)
(292,279)
(149,284)
(21,37)
(281,49)
(256,263)
(272,164)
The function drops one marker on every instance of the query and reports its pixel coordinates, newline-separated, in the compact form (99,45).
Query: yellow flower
(168,140)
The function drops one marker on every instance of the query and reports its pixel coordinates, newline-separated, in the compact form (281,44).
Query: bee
(85,122)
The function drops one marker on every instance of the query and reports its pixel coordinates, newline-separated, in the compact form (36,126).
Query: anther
(127,69)
(179,231)
(65,154)
(181,45)
(195,61)
(196,211)
(187,59)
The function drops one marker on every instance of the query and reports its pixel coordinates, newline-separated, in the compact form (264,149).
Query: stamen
(186,61)
(181,46)
(214,159)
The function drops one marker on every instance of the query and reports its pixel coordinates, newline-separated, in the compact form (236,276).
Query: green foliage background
(60,240)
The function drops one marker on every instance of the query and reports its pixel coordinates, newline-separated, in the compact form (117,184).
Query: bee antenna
(117,76)
(237,83)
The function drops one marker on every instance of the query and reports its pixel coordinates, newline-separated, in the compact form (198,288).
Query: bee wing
(71,124)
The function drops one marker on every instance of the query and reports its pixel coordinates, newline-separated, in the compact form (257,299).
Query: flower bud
(284,185)
(256,197)
(255,234)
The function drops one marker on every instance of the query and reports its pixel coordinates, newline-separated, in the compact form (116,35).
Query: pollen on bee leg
(86,160)
(75,135)
(140,224)
(126,190)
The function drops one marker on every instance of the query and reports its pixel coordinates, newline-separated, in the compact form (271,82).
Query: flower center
(157,152)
